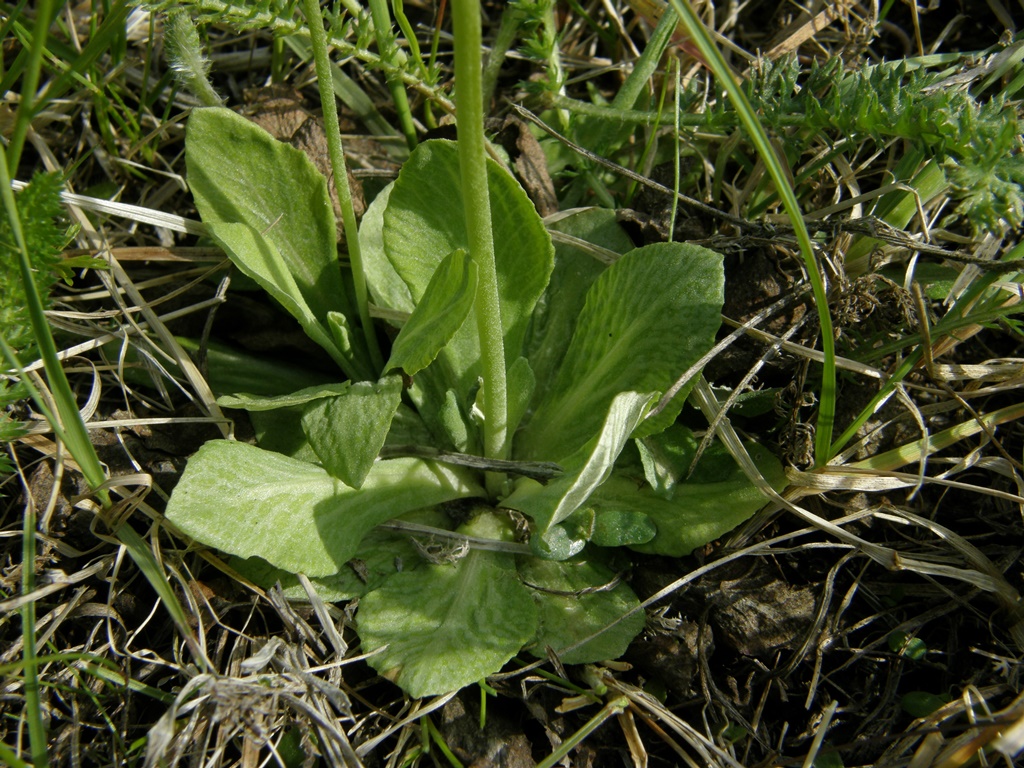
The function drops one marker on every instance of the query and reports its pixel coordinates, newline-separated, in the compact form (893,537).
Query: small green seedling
(509,429)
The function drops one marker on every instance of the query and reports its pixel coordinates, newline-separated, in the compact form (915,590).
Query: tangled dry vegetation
(870,615)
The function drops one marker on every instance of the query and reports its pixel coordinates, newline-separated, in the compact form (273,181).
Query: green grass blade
(33,706)
(74,432)
(827,404)
(7,757)
(30,82)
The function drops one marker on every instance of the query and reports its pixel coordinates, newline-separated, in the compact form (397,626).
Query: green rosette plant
(478,491)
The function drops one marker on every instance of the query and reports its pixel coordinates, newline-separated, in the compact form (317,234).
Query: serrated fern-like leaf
(41,210)
(979,141)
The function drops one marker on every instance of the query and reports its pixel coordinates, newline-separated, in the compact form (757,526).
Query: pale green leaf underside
(567,619)
(550,504)
(239,174)
(246,501)
(348,431)
(381,555)
(647,318)
(438,316)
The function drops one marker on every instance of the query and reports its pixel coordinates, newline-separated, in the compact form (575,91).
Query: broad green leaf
(249,502)
(647,318)
(584,472)
(423,223)
(438,628)
(381,554)
(247,402)
(348,431)
(558,309)
(440,313)
(387,288)
(238,173)
(707,505)
(578,598)
(622,527)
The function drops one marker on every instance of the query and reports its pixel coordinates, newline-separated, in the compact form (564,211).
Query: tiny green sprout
(908,646)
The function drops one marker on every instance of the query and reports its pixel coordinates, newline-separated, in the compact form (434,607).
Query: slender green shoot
(33,705)
(185,51)
(477,206)
(827,402)
(318,37)
(7,757)
(398,8)
(390,52)
(30,82)
(677,150)
(438,738)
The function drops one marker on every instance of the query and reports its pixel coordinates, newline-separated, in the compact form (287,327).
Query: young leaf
(453,423)
(584,472)
(521,384)
(246,501)
(578,598)
(418,233)
(351,345)
(348,431)
(647,318)
(440,313)
(441,627)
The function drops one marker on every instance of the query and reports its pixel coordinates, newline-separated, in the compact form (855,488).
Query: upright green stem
(718,66)
(477,205)
(318,37)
